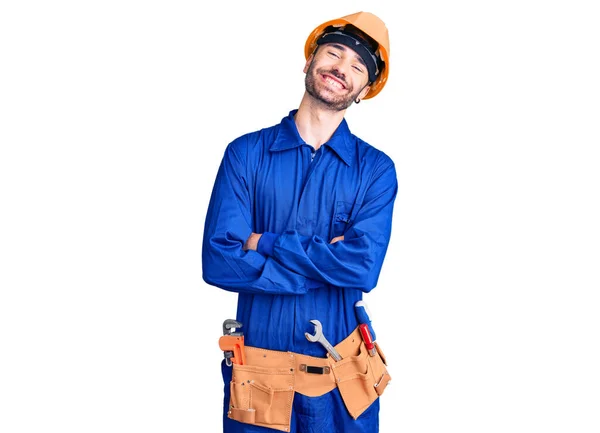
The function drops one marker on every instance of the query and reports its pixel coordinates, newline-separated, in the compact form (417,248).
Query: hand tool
(319,337)
(366,336)
(364,316)
(230,326)
(232,343)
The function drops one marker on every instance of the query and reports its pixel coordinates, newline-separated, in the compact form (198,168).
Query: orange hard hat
(373,27)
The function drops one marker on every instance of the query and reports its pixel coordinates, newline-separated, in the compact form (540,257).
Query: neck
(315,123)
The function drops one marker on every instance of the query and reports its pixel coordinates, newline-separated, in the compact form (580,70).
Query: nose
(339,71)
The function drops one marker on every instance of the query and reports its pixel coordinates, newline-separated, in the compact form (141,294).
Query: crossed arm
(252,241)
(233,260)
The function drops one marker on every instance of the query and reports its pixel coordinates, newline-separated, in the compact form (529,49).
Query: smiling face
(336,76)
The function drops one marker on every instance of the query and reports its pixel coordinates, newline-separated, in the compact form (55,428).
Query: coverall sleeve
(227,226)
(354,262)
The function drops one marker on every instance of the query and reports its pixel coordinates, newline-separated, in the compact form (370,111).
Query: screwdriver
(366,336)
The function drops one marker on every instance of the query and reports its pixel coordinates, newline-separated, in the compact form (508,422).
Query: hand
(337,239)
(252,242)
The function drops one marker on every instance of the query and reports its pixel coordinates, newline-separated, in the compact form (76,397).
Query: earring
(357,101)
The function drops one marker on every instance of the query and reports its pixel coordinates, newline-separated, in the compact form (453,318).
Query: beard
(325,96)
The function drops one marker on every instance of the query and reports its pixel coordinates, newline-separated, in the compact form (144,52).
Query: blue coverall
(271,182)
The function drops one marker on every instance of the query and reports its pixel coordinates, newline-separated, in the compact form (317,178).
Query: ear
(308,62)
(364,92)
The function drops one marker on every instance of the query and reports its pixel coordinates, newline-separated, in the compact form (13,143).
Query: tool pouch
(262,396)
(361,378)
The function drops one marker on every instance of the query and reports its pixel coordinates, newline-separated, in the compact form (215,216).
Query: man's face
(336,76)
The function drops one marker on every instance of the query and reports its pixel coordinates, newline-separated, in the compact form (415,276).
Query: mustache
(336,74)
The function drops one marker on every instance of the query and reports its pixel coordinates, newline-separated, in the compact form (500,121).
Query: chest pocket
(343,217)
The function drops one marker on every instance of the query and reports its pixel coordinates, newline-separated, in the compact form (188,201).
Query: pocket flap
(343,217)
(383,383)
(241,415)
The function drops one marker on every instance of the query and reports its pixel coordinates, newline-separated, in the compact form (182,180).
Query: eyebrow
(343,48)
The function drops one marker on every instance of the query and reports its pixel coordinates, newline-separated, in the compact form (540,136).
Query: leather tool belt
(262,390)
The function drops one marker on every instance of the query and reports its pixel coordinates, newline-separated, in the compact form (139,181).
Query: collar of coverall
(288,137)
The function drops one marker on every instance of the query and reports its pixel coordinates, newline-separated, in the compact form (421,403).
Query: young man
(298,224)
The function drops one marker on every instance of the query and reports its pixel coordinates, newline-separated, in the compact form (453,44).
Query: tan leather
(262,390)
(361,378)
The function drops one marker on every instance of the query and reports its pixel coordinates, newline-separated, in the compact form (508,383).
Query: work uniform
(272,182)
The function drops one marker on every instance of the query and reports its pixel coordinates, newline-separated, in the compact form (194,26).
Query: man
(298,224)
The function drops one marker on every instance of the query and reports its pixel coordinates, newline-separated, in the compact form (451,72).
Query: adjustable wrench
(319,337)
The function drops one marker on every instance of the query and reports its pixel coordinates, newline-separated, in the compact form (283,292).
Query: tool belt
(262,389)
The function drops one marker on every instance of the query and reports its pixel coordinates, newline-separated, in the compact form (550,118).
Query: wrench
(230,324)
(319,337)
(232,343)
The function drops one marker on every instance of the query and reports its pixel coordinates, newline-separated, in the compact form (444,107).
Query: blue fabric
(267,184)
(266,243)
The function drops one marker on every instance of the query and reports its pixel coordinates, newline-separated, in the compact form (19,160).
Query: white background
(114,116)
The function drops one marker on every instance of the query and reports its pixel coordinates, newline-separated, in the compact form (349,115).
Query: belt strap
(305,382)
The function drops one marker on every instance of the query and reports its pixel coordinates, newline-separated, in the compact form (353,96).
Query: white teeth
(335,83)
